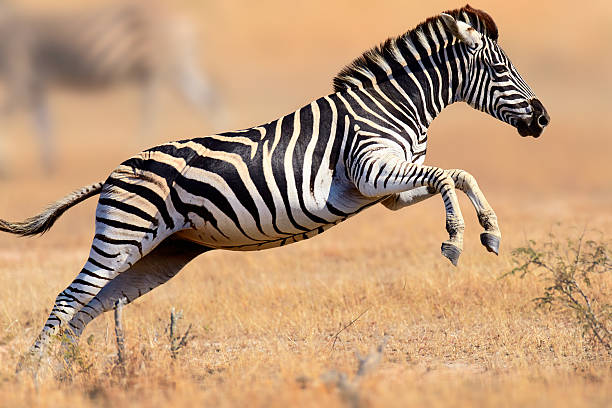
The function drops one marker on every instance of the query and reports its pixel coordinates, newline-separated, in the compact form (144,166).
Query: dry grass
(264,325)
(264,322)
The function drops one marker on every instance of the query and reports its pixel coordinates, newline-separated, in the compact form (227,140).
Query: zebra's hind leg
(465,182)
(108,257)
(155,269)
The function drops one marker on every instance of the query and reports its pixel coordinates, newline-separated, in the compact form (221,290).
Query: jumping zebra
(128,42)
(295,177)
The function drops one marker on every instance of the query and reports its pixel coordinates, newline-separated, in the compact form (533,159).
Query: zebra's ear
(463,31)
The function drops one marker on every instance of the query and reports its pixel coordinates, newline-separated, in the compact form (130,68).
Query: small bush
(575,272)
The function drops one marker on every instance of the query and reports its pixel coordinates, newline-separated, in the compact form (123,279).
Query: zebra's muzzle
(535,125)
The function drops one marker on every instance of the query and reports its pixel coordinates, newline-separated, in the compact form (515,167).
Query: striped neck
(422,78)
(426,68)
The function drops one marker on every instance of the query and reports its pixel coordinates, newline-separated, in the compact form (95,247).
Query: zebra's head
(493,84)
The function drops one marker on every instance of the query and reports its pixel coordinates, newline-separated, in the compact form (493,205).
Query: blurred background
(270,57)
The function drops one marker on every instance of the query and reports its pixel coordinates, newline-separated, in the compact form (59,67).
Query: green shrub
(577,275)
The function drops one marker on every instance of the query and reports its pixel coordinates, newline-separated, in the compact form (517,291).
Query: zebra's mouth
(527,129)
(536,124)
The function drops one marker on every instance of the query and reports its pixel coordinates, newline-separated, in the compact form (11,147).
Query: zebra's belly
(253,222)
(251,231)
(211,239)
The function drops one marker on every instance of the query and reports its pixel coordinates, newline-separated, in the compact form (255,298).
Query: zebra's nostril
(543,121)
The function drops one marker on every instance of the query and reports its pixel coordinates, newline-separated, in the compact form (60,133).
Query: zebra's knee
(441,179)
(445,185)
(462,178)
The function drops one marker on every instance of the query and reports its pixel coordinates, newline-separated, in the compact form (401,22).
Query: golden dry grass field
(264,323)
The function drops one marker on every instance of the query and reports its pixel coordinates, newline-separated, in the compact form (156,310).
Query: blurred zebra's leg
(149,91)
(7,108)
(44,130)
(196,87)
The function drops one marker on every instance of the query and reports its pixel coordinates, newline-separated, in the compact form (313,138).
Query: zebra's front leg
(465,182)
(450,249)
(407,198)
(383,173)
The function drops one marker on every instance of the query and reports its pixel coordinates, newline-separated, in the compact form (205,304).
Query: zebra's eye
(499,68)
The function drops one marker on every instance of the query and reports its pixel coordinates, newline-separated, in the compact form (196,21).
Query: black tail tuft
(41,223)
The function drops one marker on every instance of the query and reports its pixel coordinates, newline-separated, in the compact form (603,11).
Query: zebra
(293,178)
(126,42)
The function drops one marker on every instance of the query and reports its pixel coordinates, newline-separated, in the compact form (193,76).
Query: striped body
(240,190)
(263,187)
(295,177)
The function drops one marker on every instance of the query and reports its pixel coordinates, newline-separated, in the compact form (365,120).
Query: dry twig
(177,341)
(335,336)
(349,389)
(119,331)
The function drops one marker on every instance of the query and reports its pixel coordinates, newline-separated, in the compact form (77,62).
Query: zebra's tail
(41,223)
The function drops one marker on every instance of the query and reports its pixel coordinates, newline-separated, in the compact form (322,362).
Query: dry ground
(263,323)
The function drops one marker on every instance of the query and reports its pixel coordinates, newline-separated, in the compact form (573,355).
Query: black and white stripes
(295,177)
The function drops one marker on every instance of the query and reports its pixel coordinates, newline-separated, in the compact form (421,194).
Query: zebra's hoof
(451,251)
(490,241)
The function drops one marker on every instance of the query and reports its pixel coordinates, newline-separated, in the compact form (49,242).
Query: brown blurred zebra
(128,42)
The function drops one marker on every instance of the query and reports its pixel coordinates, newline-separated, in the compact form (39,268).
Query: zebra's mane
(373,66)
